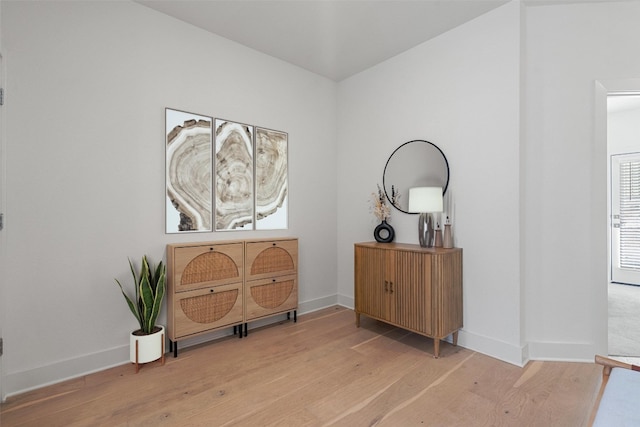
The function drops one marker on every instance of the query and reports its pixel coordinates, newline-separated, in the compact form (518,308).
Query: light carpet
(624,320)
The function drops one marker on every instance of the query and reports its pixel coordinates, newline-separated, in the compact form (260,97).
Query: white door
(625,218)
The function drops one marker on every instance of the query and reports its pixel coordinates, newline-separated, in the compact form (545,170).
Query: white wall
(568,49)
(88,85)
(461,92)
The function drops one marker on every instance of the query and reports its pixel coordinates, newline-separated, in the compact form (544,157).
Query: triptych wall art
(223,175)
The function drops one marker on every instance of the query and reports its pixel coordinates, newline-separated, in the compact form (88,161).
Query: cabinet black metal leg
(295,316)
(170,346)
(246,329)
(288,315)
(175,349)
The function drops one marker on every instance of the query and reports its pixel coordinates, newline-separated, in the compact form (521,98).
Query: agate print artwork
(271,179)
(223,175)
(188,172)
(234,176)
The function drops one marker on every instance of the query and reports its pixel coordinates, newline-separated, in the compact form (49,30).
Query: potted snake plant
(146,344)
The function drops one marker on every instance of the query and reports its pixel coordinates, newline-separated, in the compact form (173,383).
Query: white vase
(149,347)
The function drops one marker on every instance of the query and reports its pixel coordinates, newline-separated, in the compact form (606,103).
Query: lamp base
(425,230)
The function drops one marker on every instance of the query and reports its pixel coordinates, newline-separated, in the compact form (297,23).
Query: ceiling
(333,38)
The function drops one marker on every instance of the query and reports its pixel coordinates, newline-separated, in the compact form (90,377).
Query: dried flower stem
(380,208)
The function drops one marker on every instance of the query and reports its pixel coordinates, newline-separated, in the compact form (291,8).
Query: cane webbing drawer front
(272,294)
(207,265)
(271,277)
(267,296)
(206,309)
(205,287)
(211,285)
(271,258)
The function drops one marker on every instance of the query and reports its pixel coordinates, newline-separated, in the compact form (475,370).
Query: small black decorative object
(384,233)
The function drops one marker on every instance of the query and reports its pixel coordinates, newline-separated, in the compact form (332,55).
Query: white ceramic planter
(150,347)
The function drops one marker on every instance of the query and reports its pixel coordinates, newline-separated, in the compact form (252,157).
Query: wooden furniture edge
(607,365)
(411,247)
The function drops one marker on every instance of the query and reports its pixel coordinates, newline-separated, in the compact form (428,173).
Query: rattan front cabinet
(205,288)
(415,288)
(271,277)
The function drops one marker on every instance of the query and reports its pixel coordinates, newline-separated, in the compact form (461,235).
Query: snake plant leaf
(158,296)
(149,285)
(146,299)
(160,269)
(130,303)
(135,279)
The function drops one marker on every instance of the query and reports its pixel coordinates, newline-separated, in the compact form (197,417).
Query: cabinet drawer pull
(211,290)
(385,286)
(391,287)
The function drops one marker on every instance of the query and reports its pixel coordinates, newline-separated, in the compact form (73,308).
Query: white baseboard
(562,351)
(317,304)
(42,376)
(347,302)
(20,382)
(507,352)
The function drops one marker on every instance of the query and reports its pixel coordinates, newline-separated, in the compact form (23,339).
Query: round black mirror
(416,163)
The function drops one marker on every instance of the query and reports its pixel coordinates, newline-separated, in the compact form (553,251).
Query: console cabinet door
(412,292)
(370,293)
(394,286)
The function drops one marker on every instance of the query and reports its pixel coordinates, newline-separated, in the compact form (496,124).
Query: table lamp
(425,201)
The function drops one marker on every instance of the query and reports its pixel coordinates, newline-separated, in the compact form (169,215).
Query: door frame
(600,212)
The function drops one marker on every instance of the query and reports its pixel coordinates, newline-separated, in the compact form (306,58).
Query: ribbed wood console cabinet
(214,285)
(415,288)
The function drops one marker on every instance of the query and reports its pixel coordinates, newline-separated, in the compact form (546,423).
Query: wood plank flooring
(320,371)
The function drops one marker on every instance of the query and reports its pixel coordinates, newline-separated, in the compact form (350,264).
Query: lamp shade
(425,199)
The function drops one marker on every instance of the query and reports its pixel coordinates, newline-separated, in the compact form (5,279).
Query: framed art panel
(234,176)
(188,172)
(272,190)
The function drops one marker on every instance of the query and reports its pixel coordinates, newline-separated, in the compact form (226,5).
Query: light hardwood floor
(321,371)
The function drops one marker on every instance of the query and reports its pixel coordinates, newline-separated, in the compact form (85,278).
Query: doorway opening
(623,148)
